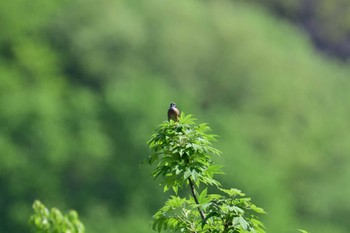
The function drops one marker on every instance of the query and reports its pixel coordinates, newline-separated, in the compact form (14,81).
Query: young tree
(182,153)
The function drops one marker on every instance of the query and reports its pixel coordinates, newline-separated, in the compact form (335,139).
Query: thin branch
(195,198)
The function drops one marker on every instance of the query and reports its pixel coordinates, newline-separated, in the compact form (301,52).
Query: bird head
(172,105)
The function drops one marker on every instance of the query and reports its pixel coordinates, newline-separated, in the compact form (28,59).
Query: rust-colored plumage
(173,112)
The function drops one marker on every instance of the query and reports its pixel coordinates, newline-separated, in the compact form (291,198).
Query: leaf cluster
(53,221)
(183,150)
(230,212)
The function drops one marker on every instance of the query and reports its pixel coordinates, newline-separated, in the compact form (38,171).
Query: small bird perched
(173,112)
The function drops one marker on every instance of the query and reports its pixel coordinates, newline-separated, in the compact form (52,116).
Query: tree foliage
(53,221)
(182,152)
(326,22)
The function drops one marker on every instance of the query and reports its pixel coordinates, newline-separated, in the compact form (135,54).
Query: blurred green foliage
(326,21)
(84,82)
(53,221)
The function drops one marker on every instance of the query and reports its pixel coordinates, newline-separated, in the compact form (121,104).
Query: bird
(173,112)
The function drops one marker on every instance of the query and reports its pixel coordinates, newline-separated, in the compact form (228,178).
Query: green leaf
(233,192)
(187,173)
(176,189)
(257,209)
(244,224)
(202,196)
(236,210)
(165,188)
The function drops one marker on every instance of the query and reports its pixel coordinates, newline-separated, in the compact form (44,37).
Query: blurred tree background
(84,84)
(326,22)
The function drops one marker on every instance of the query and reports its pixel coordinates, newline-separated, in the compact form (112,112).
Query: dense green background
(84,84)
(327,22)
